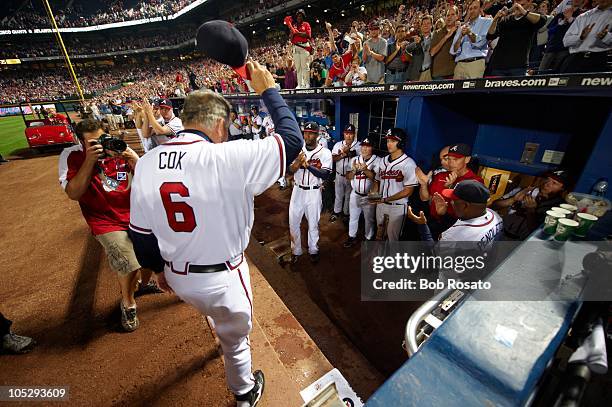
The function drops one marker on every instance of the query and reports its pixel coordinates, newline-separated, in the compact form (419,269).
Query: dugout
(516,127)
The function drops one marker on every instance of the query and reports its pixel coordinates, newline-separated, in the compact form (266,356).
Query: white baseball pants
(343,190)
(226,297)
(301,58)
(369,215)
(397,214)
(304,202)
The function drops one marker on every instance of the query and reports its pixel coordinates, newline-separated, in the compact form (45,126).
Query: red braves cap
(469,190)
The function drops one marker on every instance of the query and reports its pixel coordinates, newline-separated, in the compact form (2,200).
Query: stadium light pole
(63,49)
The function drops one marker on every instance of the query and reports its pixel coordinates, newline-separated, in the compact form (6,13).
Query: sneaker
(129,319)
(150,288)
(13,343)
(251,398)
(333,217)
(314,258)
(350,242)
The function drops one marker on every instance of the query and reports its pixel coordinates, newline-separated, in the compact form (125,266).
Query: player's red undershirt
(437,185)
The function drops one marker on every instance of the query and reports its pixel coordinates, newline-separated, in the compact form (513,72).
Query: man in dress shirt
(470,44)
(589,40)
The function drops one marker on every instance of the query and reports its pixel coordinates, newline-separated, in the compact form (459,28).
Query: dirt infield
(56,286)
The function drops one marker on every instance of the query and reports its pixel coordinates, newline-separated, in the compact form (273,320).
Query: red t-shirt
(106,203)
(304,27)
(437,185)
(341,70)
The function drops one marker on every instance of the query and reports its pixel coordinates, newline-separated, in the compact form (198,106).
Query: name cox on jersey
(171,160)
(392,174)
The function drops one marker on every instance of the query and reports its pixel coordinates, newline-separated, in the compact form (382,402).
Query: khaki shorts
(120,252)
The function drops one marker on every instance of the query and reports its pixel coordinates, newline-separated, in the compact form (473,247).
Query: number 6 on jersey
(180,215)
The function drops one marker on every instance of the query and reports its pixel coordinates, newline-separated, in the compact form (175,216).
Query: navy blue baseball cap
(164,103)
(396,134)
(459,150)
(311,126)
(469,190)
(349,128)
(221,41)
(366,142)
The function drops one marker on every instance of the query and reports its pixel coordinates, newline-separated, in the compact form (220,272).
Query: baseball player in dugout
(312,166)
(343,153)
(163,128)
(396,180)
(192,214)
(475,222)
(99,179)
(361,175)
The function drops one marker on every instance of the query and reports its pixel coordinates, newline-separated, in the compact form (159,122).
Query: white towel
(593,351)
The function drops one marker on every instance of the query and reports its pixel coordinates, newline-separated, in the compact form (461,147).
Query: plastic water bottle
(600,188)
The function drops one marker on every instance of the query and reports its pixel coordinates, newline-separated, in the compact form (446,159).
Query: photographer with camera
(97,173)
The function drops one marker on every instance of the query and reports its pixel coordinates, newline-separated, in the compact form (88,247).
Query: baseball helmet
(301,11)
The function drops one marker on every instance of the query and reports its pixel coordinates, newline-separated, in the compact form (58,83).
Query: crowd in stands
(74,14)
(76,46)
(463,40)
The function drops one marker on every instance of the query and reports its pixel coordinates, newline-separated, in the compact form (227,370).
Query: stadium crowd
(76,46)
(392,45)
(74,13)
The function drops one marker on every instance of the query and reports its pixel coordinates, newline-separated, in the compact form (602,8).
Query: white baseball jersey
(175,124)
(196,197)
(395,175)
(320,158)
(483,229)
(344,165)
(256,120)
(360,183)
(268,125)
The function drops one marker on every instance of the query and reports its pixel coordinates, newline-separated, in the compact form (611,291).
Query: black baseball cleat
(293,259)
(150,288)
(251,398)
(333,217)
(350,242)
(314,258)
(16,344)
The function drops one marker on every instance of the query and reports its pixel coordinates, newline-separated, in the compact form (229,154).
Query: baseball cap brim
(450,194)
(242,71)
(165,106)
(392,138)
(457,155)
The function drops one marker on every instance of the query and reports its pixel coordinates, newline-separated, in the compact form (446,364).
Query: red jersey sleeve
(347,57)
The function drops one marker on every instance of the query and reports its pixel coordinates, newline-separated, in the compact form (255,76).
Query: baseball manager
(192,204)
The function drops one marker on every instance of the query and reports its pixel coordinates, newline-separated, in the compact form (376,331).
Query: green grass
(12,135)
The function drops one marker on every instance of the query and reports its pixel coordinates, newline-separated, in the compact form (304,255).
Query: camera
(110,143)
